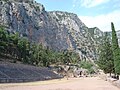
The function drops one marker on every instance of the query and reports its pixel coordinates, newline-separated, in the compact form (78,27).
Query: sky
(93,13)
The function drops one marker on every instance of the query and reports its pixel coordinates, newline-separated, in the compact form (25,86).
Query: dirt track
(93,83)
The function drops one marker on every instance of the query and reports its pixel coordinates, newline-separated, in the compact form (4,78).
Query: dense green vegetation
(20,49)
(87,65)
(109,58)
(116,50)
(106,62)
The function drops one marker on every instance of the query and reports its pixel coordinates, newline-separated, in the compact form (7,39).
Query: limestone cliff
(57,30)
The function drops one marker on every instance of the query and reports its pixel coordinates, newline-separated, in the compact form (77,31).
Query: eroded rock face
(57,30)
(81,40)
(32,21)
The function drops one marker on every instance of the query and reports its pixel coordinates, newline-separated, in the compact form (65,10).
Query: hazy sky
(94,13)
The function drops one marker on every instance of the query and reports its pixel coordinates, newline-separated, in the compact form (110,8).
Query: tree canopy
(116,51)
(106,62)
(20,49)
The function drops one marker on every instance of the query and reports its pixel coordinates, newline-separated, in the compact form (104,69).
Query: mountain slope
(56,30)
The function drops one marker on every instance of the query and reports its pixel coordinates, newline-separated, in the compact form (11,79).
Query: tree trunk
(110,74)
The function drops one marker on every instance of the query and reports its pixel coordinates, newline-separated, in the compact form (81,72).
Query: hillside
(56,29)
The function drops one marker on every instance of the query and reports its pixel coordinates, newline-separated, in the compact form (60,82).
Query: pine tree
(3,40)
(106,62)
(116,52)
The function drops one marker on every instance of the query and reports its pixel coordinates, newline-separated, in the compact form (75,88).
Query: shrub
(87,65)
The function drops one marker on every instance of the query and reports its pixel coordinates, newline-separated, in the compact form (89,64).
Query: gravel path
(89,83)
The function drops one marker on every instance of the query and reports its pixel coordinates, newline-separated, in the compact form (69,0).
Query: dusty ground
(89,83)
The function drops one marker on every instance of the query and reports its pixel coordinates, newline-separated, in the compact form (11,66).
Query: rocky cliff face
(57,30)
(79,37)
